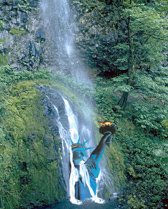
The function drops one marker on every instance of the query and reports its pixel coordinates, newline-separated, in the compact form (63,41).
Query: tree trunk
(124,98)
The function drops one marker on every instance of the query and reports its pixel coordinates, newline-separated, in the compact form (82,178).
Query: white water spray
(83,172)
(60,28)
(72,122)
(68,138)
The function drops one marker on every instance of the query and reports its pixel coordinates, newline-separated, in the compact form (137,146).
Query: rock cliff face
(22,40)
(23,37)
(100,27)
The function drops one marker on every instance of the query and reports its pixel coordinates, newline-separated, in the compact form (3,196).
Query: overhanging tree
(143,45)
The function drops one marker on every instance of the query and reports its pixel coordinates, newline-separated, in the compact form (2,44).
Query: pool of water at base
(86,205)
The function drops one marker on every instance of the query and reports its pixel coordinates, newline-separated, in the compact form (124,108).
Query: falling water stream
(60,29)
(70,137)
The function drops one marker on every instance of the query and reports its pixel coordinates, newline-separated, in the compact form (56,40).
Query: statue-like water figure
(88,171)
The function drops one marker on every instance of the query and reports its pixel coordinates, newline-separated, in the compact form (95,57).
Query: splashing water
(83,172)
(70,137)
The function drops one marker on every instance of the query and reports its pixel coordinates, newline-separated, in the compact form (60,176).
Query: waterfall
(69,137)
(72,123)
(60,29)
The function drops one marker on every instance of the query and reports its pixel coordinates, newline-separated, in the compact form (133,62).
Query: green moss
(3,59)
(135,203)
(17,31)
(30,166)
(116,165)
(165,123)
(1,24)
(2,40)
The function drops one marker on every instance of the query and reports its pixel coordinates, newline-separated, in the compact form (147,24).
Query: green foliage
(141,158)
(10,76)
(106,30)
(147,103)
(1,24)
(144,42)
(3,59)
(115,161)
(149,184)
(22,5)
(149,32)
(2,40)
(152,109)
(104,98)
(135,203)
(165,123)
(28,154)
(24,122)
(151,117)
(17,31)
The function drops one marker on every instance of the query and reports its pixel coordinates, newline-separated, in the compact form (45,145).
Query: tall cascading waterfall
(59,27)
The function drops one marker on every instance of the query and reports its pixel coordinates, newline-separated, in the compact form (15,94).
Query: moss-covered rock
(29,152)
(3,59)
(17,31)
(116,165)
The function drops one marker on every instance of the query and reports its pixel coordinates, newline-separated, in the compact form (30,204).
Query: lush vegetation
(29,149)
(125,44)
(142,147)
(29,174)
(137,100)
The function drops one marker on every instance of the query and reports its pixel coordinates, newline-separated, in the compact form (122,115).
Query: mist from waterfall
(60,28)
